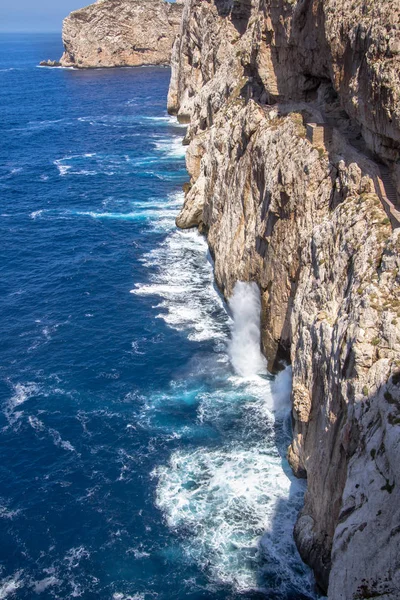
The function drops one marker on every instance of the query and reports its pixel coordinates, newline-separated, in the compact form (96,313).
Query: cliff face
(301,214)
(114,33)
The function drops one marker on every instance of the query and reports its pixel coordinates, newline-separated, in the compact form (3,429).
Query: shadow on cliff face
(294,587)
(281,570)
(299,63)
(238,10)
(281,560)
(370,507)
(352,495)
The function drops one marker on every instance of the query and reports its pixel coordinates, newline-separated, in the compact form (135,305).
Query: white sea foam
(138,553)
(6,512)
(157,217)
(71,164)
(74,556)
(22,393)
(234,504)
(90,164)
(55,435)
(36,423)
(167,120)
(138,596)
(58,441)
(36,214)
(62,169)
(135,216)
(173,201)
(10,585)
(227,499)
(11,172)
(43,584)
(183,281)
(230,501)
(57,67)
(158,290)
(171,147)
(40,125)
(112,121)
(129,121)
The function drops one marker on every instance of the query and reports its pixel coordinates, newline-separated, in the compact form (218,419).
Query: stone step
(387,187)
(390,207)
(390,195)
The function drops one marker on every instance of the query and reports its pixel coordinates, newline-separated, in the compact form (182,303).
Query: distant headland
(118,33)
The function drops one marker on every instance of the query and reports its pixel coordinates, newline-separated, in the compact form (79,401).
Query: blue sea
(142,439)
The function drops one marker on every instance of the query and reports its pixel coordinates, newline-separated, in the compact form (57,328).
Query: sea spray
(281,388)
(244,347)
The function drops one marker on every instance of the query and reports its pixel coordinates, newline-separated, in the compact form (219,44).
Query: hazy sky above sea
(36,15)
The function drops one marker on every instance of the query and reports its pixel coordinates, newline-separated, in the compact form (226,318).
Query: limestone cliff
(300,209)
(115,33)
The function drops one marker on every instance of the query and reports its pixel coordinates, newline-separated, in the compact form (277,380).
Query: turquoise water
(142,452)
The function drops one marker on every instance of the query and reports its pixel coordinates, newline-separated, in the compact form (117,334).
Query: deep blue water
(136,463)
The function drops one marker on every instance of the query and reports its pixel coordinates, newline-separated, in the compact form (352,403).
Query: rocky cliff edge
(294,131)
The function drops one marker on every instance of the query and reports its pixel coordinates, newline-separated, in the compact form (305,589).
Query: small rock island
(118,33)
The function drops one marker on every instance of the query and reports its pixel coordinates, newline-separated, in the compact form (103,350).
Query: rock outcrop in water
(115,33)
(49,63)
(293,139)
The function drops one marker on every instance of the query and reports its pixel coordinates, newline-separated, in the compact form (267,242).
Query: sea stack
(117,33)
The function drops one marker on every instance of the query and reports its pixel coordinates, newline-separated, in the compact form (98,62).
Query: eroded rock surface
(306,222)
(114,33)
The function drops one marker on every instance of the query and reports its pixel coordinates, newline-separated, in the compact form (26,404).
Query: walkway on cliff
(321,130)
(388,196)
(383,183)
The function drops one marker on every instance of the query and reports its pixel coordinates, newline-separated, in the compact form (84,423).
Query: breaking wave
(182,282)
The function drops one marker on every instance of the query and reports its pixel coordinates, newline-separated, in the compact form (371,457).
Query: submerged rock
(115,33)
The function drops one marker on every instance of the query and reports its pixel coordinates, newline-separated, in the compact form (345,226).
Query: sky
(36,15)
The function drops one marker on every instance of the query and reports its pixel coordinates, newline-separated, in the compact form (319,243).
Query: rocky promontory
(115,33)
(294,135)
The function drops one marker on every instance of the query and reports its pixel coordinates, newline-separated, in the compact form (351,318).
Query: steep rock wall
(290,48)
(306,223)
(114,33)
